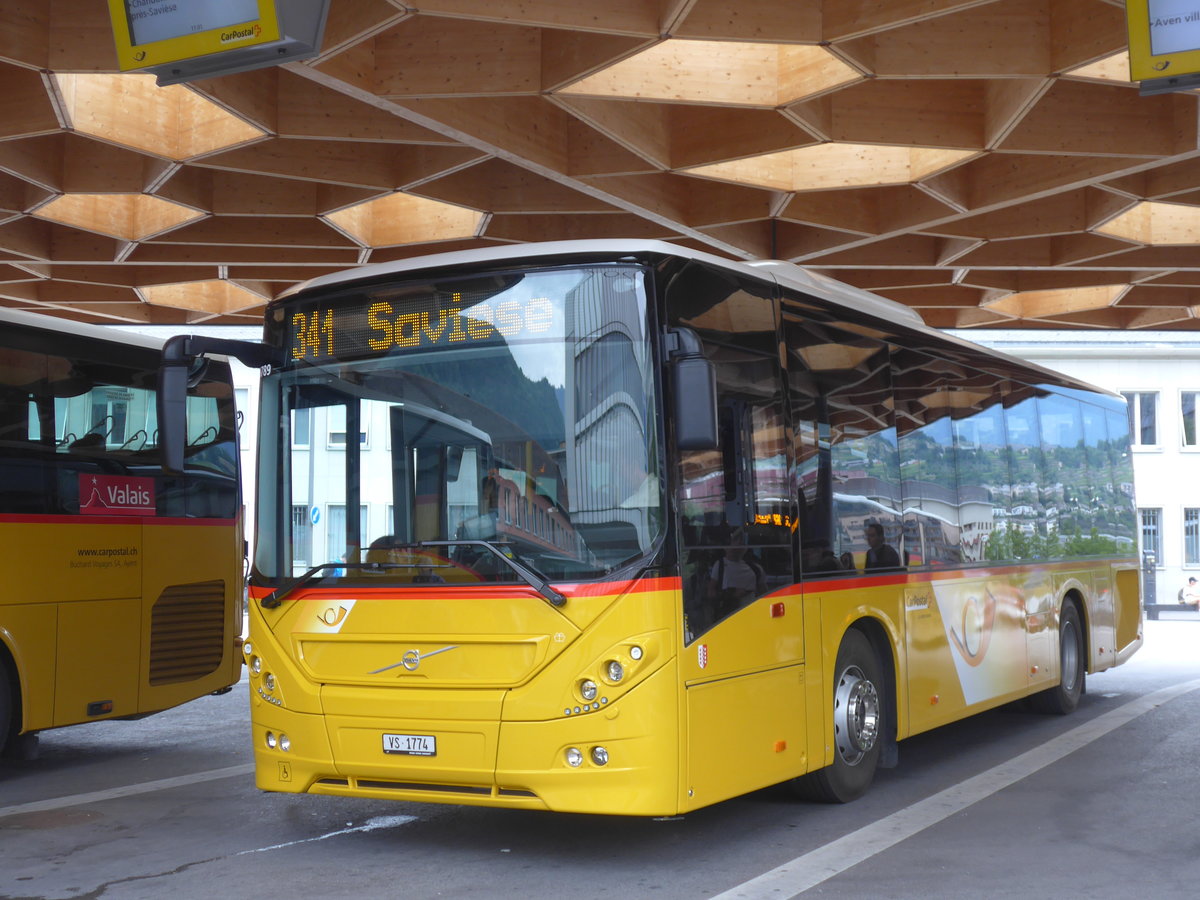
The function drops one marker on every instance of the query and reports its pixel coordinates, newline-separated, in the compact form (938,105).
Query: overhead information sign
(158,32)
(186,40)
(1164,42)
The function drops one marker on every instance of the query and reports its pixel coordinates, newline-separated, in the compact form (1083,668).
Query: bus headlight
(255,664)
(600,756)
(614,670)
(271,742)
(269,681)
(587,689)
(574,757)
(285,743)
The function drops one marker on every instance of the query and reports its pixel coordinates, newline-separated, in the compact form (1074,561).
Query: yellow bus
(620,527)
(124,586)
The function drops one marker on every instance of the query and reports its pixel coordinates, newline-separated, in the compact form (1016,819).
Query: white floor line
(371,825)
(131,790)
(803,872)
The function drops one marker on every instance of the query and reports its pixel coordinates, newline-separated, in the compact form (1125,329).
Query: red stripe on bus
(109,520)
(957,573)
(499,591)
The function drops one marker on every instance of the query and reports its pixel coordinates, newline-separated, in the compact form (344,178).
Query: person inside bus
(485,525)
(736,578)
(879,555)
(382,549)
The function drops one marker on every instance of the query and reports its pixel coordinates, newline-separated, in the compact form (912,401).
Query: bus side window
(848,469)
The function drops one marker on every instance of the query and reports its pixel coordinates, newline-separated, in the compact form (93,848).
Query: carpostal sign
(159,32)
(1164,38)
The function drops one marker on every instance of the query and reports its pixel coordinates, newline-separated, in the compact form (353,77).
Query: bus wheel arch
(862,717)
(1063,697)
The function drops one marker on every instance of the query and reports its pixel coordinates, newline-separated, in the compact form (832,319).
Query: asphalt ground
(1100,804)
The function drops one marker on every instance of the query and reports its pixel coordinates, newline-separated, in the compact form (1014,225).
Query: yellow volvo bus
(124,585)
(619,527)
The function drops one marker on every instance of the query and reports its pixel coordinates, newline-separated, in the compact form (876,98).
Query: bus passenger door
(743,625)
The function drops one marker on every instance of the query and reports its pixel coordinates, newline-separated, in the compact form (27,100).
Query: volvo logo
(412,660)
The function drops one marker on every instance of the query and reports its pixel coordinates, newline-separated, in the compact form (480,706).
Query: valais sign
(116,495)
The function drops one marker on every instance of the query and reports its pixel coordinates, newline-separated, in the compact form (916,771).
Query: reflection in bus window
(845,441)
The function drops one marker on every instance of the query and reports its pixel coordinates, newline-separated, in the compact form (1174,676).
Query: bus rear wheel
(1064,697)
(857,725)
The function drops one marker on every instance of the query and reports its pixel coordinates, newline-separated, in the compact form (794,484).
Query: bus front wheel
(1064,696)
(6,706)
(857,725)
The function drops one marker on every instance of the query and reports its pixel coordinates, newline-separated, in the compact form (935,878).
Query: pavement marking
(812,868)
(131,790)
(373,824)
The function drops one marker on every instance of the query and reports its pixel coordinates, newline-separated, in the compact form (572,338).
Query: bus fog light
(635,653)
(574,757)
(285,743)
(269,681)
(600,756)
(271,740)
(587,689)
(615,670)
(255,664)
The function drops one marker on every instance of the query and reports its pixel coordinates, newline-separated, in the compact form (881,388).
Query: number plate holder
(410,744)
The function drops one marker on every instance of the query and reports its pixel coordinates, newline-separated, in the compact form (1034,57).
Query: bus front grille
(187,632)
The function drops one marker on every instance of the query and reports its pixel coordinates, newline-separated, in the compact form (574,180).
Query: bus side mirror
(182,367)
(695,389)
(172,405)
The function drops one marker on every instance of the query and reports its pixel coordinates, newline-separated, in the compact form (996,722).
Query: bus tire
(1064,697)
(6,706)
(858,723)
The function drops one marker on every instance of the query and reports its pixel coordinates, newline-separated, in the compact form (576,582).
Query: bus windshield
(426,426)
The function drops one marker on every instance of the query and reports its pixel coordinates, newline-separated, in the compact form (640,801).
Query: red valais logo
(116,495)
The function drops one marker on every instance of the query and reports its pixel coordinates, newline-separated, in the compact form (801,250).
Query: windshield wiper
(529,575)
(276,596)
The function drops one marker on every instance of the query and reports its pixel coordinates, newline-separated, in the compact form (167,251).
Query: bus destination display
(382,326)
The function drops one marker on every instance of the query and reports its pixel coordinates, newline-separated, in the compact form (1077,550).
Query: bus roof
(82,329)
(784,273)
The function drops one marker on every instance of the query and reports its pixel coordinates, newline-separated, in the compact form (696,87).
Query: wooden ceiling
(986,162)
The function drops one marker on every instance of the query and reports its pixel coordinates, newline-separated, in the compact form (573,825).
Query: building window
(1191,537)
(1152,533)
(337,534)
(301,536)
(337,428)
(301,427)
(1143,417)
(1189,406)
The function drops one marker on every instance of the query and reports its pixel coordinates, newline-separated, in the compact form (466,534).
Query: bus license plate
(410,744)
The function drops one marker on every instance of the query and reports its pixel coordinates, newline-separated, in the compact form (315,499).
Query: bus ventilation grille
(187,632)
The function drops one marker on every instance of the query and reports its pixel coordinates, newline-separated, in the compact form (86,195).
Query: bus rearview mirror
(695,404)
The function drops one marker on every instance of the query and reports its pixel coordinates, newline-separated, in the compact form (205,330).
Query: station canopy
(986,162)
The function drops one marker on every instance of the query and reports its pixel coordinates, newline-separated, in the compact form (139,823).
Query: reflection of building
(1158,373)
(607,400)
